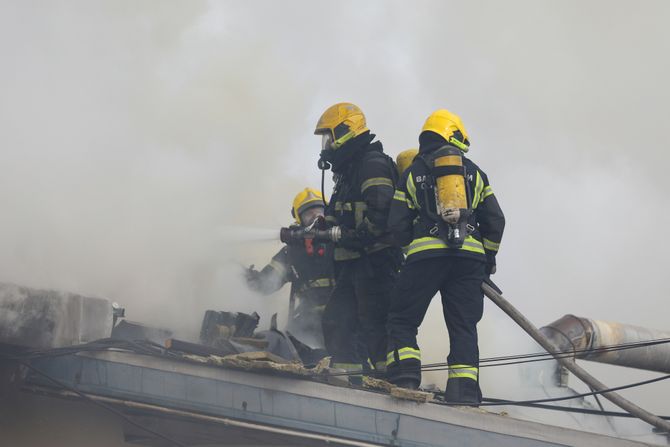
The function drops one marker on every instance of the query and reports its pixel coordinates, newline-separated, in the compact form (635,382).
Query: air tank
(450,192)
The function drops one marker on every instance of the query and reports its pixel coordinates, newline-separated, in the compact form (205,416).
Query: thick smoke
(148,149)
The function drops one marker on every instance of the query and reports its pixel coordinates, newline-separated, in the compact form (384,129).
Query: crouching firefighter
(445,215)
(366,265)
(307,264)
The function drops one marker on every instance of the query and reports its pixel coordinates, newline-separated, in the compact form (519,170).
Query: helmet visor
(326,141)
(308,216)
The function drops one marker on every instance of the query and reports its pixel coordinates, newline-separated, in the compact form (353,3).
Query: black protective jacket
(307,265)
(361,200)
(413,228)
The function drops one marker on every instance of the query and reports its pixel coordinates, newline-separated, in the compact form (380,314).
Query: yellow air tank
(450,193)
(405,159)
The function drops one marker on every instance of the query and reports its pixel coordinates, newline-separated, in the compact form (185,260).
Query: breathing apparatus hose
(323,165)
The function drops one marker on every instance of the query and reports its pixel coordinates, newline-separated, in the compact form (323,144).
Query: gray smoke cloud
(148,148)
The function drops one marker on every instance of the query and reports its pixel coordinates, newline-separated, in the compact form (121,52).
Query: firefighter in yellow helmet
(354,321)
(308,266)
(445,213)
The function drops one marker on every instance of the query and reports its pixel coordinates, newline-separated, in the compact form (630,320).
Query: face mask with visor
(308,216)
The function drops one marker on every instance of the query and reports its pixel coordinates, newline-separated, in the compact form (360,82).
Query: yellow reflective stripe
(490,245)
(411,189)
(399,195)
(359,209)
(332,219)
(376,181)
(463,371)
(402,197)
(473,245)
(463,366)
(279,267)
(479,186)
(321,282)
(425,243)
(344,138)
(459,144)
(403,354)
(462,375)
(433,243)
(487,192)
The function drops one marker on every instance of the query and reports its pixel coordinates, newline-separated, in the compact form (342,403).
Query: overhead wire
(558,399)
(528,358)
(601,412)
(561,354)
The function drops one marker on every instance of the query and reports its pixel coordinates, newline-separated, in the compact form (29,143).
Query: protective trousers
(458,279)
(354,321)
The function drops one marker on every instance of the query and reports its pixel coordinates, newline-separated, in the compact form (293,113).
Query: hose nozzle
(296,234)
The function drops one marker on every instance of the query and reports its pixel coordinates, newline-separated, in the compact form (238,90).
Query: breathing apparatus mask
(327,151)
(308,216)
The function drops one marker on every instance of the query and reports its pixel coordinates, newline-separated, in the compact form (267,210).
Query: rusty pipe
(587,338)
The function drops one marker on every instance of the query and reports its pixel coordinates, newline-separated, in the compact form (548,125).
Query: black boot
(463,391)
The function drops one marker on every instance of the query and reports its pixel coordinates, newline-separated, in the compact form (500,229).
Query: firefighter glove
(252,276)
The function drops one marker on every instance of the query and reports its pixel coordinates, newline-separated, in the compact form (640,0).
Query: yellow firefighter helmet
(449,126)
(340,123)
(304,200)
(405,159)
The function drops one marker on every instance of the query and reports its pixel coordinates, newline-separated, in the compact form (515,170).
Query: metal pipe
(496,296)
(588,337)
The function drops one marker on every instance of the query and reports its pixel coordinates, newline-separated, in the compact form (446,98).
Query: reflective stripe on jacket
(410,224)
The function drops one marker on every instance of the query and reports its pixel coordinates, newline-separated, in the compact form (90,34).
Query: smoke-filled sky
(147,147)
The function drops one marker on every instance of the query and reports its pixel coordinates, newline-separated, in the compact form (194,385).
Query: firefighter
(308,266)
(366,265)
(450,250)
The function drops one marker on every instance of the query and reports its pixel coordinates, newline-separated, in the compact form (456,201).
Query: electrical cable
(602,408)
(527,358)
(573,409)
(558,399)
(567,354)
(139,346)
